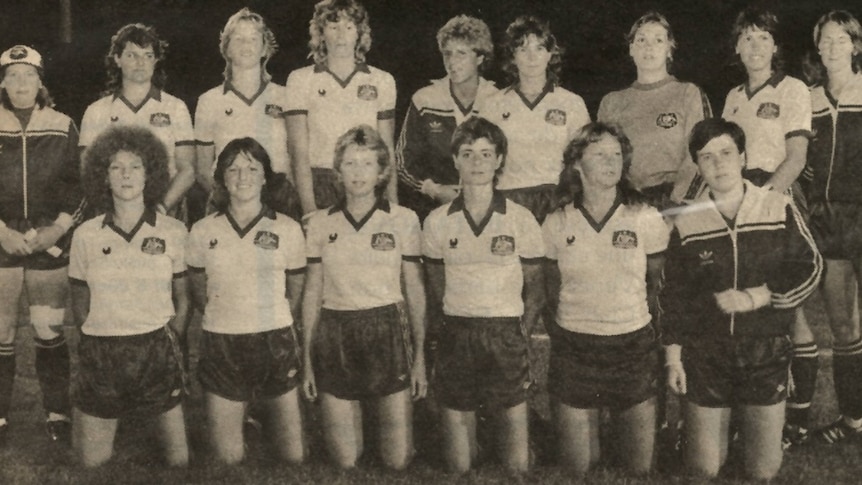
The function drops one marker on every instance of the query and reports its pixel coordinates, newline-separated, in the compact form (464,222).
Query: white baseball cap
(21,54)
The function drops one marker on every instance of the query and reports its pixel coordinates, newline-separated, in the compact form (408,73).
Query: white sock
(57,417)
(853,423)
(2,421)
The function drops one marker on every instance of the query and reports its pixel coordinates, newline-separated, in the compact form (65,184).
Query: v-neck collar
(598,226)
(773,81)
(228,86)
(498,204)
(381,204)
(465,110)
(731,223)
(549,88)
(149,216)
(242,231)
(360,67)
(154,93)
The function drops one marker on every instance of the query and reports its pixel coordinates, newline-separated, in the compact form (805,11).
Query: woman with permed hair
(247,265)
(422,156)
(247,103)
(774,110)
(538,116)
(339,91)
(129,298)
(836,207)
(605,250)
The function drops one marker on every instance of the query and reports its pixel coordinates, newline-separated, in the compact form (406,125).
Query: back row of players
(297,128)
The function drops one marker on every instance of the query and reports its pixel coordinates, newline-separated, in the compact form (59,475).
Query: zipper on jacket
(735,273)
(24,172)
(834,117)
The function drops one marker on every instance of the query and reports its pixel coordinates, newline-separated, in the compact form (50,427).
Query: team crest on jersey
(333,237)
(556,117)
(160,120)
(768,111)
(625,239)
(570,240)
(213,243)
(266,240)
(383,241)
(706,257)
(666,120)
(274,111)
(153,245)
(453,243)
(503,245)
(366,92)
(435,127)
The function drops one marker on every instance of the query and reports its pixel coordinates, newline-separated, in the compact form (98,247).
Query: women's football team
(656,226)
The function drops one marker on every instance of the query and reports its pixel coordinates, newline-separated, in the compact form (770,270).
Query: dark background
(596,59)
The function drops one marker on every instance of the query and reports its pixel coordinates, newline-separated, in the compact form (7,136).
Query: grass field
(30,459)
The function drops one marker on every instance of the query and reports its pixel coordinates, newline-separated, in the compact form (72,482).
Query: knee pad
(47,321)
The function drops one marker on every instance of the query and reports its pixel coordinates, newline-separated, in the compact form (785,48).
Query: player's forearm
(180,184)
(534,295)
(80,302)
(414,292)
(790,169)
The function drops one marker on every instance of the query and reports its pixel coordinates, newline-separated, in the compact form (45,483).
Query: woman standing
(39,196)
(537,116)
(606,251)
(355,314)
(338,92)
(247,270)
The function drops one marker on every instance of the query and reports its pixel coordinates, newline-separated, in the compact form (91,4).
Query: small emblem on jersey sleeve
(506,115)
(435,127)
(768,111)
(106,250)
(321,92)
(274,111)
(383,241)
(503,245)
(153,245)
(570,240)
(625,239)
(706,258)
(160,120)
(453,243)
(556,117)
(333,237)
(115,119)
(213,243)
(266,240)
(228,111)
(367,92)
(667,120)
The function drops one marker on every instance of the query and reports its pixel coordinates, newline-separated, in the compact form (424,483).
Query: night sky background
(403,31)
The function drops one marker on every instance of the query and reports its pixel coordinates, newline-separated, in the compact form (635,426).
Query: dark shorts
(540,200)
(128,376)
(41,260)
(837,229)
(482,362)
(362,354)
(727,371)
(328,189)
(603,371)
(245,367)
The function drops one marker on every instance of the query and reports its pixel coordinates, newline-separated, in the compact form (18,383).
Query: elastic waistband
(365,312)
(117,338)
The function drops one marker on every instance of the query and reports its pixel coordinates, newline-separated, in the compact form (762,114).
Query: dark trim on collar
(549,88)
(465,110)
(360,67)
(154,93)
(599,225)
(341,206)
(773,81)
(498,204)
(655,85)
(149,216)
(228,86)
(242,231)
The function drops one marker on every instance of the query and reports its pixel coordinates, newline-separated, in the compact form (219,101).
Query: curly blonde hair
(270,46)
(331,11)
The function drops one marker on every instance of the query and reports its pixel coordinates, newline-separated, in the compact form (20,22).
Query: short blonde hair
(331,11)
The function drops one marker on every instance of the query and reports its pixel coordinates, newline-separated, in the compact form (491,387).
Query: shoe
(4,431)
(836,432)
(793,436)
(59,431)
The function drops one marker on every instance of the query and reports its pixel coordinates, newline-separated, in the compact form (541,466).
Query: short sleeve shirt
(778,110)
(246,270)
(334,106)
(165,115)
(223,114)
(130,276)
(537,133)
(362,259)
(483,260)
(603,266)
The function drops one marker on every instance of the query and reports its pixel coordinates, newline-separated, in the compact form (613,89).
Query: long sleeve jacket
(767,243)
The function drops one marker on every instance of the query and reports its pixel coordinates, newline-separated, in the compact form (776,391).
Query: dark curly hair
(98,157)
(759,18)
(278,193)
(516,35)
(570,189)
(142,36)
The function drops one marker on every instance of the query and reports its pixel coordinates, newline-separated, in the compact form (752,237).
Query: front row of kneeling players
(742,261)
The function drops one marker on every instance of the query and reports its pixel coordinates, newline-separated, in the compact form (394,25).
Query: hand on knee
(47,321)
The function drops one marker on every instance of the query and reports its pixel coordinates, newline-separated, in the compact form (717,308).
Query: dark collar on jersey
(773,81)
(649,86)
(154,93)
(265,211)
(149,216)
(599,225)
(228,86)
(341,205)
(360,66)
(549,88)
(498,203)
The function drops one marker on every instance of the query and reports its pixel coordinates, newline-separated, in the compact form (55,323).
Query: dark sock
(847,369)
(52,368)
(7,377)
(803,370)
